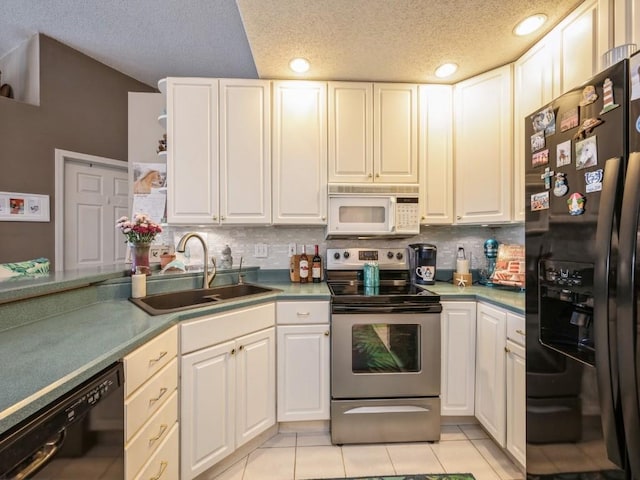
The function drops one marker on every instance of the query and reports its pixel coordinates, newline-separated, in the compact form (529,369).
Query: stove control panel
(355,258)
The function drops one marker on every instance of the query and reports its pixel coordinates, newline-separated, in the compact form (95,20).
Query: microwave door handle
(392,214)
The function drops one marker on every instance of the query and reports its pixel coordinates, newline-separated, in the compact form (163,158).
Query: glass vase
(140,258)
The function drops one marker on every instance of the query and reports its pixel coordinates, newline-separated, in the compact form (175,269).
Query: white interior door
(95,196)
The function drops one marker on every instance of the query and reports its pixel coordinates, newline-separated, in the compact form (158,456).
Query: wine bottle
(304,266)
(316,267)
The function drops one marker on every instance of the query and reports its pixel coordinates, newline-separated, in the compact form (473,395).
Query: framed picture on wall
(24,207)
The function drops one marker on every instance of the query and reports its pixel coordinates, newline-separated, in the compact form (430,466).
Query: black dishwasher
(53,439)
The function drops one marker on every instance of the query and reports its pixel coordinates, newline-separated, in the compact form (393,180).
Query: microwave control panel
(407,214)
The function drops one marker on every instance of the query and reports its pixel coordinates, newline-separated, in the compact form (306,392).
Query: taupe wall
(83,108)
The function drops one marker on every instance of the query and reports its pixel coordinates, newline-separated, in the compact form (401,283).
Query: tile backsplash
(243,240)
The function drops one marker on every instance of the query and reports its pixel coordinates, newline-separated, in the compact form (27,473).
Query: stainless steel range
(385,351)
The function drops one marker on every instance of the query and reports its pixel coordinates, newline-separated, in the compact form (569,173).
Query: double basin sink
(180,300)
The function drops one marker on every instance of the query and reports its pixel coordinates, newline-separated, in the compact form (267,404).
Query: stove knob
(346,255)
(389,255)
(336,256)
(399,255)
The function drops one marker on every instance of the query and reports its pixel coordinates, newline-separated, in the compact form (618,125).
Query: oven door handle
(387,409)
(43,456)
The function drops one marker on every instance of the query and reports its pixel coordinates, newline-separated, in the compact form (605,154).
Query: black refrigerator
(582,336)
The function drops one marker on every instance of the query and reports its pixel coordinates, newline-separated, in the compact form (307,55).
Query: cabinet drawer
(148,399)
(163,464)
(142,363)
(516,328)
(149,438)
(211,330)
(302,312)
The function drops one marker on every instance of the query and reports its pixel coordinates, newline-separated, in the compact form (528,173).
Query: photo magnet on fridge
(586,153)
(540,158)
(563,154)
(537,141)
(544,121)
(569,119)
(540,201)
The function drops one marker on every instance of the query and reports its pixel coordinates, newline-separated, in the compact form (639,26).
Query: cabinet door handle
(215,217)
(233,351)
(158,358)
(163,467)
(163,428)
(521,332)
(458,217)
(303,314)
(326,333)
(507,349)
(369,175)
(222,217)
(163,390)
(377,175)
(240,348)
(324,218)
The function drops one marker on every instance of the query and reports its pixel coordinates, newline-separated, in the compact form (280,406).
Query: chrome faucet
(207,277)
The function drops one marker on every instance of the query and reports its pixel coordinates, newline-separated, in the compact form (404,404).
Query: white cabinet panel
(490,371)
(245,151)
(299,152)
(435,154)
(192,150)
(395,123)
(303,372)
(484,148)
(350,113)
(516,401)
(458,358)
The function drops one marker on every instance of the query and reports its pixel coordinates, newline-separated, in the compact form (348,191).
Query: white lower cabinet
(458,327)
(516,388)
(151,408)
(490,401)
(227,387)
(303,361)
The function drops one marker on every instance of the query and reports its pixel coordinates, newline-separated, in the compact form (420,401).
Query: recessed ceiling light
(446,69)
(299,65)
(530,24)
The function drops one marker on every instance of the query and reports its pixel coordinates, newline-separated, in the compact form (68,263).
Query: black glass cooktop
(356,292)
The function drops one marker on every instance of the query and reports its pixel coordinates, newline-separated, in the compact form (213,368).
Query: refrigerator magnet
(589,95)
(537,141)
(586,153)
(586,127)
(560,187)
(576,204)
(563,154)
(544,121)
(546,176)
(638,124)
(540,201)
(593,180)
(569,119)
(540,158)
(607,97)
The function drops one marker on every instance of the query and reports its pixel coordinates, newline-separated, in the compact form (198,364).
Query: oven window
(362,214)
(385,348)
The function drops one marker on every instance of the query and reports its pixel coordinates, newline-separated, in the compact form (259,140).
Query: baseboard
(313,426)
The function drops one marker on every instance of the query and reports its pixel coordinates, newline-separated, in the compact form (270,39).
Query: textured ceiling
(380,40)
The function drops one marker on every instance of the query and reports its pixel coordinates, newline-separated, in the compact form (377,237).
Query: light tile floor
(296,456)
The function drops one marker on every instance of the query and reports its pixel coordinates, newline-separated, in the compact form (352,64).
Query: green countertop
(66,333)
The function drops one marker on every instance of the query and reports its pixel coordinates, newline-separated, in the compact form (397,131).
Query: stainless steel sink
(161,303)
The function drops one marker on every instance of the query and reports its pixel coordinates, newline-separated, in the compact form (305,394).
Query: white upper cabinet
(435,153)
(583,38)
(299,153)
(395,133)
(535,84)
(192,150)
(245,151)
(373,132)
(484,148)
(350,132)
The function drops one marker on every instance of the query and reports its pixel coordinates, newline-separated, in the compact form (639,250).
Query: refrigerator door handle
(604,318)
(627,312)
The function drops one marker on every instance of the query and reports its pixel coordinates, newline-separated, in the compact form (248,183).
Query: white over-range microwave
(373,211)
